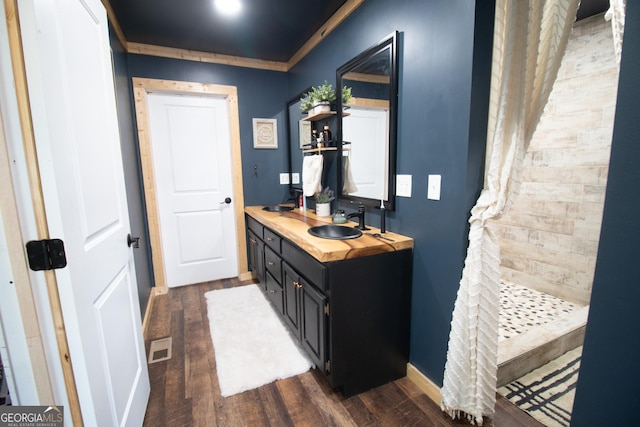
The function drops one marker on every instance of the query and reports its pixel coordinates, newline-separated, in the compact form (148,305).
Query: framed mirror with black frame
(298,134)
(367,126)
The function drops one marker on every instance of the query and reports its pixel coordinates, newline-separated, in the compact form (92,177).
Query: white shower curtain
(616,15)
(529,40)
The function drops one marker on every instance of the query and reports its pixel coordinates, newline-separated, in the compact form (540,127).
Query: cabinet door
(312,322)
(256,255)
(290,285)
(260,261)
(304,312)
(253,243)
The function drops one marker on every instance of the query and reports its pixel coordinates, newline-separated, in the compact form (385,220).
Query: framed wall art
(265,133)
(305,132)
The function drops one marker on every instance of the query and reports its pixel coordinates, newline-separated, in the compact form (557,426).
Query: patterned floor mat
(547,393)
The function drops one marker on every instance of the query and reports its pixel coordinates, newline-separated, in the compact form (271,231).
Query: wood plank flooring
(185,391)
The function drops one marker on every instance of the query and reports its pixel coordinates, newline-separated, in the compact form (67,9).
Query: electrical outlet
(284,178)
(433,187)
(403,185)
(295,178)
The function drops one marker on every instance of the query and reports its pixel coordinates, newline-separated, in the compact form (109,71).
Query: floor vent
(160,350)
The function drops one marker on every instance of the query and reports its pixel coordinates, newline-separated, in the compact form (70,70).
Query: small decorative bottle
(327,135)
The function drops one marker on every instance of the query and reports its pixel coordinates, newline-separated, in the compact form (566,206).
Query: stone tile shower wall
(549,238)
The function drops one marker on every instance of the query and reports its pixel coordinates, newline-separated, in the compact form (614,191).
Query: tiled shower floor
(523,308)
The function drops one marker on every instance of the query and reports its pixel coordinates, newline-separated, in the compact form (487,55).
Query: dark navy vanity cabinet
(351,316)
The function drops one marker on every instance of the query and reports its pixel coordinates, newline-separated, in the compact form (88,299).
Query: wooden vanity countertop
(294,225)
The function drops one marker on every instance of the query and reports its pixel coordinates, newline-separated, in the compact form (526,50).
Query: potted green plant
(346,95)
(323,94)
(306,103)
(322,97)
(323,201)
(319,98)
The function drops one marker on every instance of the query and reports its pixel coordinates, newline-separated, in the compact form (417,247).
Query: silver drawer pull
(269,239)
(272,291)
(270,264)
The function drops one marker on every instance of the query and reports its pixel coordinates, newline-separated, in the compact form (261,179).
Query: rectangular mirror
(367,126)
(299,135)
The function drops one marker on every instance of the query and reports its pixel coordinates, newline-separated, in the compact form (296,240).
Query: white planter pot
(322,108)
(323,209)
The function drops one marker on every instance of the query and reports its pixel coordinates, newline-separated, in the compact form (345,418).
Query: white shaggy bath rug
(252,345)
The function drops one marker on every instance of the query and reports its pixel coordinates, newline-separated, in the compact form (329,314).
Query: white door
(191,150)
(367,130)
(69,72)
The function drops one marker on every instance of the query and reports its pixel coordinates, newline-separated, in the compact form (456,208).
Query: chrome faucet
(360,216)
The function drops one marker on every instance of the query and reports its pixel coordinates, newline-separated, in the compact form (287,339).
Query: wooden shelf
(319,116)
(319,150)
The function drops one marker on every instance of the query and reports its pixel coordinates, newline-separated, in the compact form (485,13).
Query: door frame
(35,384)
(142,87)
(34,335)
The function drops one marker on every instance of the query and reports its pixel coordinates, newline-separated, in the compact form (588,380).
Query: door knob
(135,241)
(227,200)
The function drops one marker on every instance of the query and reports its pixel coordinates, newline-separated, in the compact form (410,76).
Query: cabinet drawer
(275,292)
(272,239)
(273,263)
(255,226)
(304,264)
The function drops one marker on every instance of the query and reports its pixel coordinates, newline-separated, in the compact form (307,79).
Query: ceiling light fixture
(228,7)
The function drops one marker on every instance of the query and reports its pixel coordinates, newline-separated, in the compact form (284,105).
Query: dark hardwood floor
(185,391)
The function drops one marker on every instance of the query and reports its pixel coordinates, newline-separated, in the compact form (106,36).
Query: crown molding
(236,61)
(198,56)
(332,23)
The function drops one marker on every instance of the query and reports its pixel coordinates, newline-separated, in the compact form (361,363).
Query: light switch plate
(295,177)
(284,178)
(403,185)
(433,187)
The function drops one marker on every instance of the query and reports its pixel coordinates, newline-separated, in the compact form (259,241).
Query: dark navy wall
(261,94)
(607,392)
(133,177)
(444,77)
(436,135)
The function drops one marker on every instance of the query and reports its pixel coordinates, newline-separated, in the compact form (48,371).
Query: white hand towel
(312,174)
(349,184)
